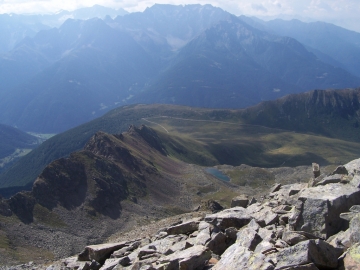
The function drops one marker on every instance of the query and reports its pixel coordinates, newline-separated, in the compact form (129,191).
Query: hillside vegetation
(295,130)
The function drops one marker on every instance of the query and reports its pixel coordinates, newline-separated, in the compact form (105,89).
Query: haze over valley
(115,122)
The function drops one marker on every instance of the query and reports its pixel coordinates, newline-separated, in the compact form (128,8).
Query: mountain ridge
(86,68)
(270,114)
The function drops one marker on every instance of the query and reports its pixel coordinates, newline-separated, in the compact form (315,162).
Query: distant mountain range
(16,27)
(330,43)
(189,55)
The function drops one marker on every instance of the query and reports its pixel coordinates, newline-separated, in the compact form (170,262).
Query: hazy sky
(344,13)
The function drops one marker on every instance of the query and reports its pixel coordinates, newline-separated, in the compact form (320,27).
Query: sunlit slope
(210,142)
(320,125)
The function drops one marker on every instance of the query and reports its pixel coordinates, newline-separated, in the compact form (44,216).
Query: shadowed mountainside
(115,182)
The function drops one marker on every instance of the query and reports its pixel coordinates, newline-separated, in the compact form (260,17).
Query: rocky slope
(117,183)
(312,225)
(333,113)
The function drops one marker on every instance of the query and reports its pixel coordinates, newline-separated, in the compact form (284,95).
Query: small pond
(215,172)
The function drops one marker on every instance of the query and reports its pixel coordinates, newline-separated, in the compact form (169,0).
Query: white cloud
(341,12)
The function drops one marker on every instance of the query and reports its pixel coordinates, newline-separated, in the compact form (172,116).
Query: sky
(344,13)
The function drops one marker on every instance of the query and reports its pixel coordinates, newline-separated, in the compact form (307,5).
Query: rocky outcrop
(294,227)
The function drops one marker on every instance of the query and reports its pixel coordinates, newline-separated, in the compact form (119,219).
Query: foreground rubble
(314,225)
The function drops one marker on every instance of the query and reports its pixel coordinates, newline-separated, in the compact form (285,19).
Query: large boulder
(234,217)
(322,254)
(318,209)
(239,257)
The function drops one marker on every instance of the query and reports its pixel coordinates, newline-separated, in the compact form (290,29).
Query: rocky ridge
(311,225)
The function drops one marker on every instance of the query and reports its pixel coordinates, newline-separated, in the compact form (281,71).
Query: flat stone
(101,252)
(184,228)
(336,178)
(234,217)
(241,201)
(191,258)
(238,257)
(295,237)
(318,252)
